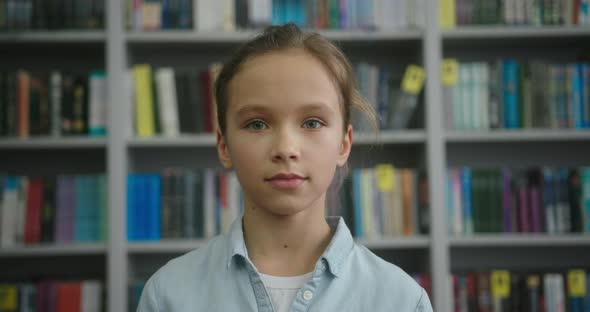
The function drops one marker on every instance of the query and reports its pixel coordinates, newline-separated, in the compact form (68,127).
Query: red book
(69,296)
(33,213)
(23,82)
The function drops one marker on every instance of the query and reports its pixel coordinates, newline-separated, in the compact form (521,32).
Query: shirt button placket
(307,295)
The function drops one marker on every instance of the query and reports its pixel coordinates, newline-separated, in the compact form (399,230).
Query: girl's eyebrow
(314,106)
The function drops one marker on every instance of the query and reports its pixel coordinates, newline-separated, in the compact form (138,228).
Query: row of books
(511,94)
(537,200)
(62,209)
(169,102)
(211,15)
(502,290)
(514,12)
(49,295)
(51,14)
(180,203)
(382,201)
(383,89)
(54,103)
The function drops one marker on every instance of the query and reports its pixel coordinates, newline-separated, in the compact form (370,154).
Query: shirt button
(307,295)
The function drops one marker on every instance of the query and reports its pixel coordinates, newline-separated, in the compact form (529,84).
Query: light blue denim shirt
(221,277)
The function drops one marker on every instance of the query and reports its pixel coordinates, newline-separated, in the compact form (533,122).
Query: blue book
(358,209)
(185,14)
(140,203)
(467,203)
(165,19)
(584,73)
(585,177)
(383,100)
(131,182)
(577,105)
(278,11)
(510,94)
(155,207)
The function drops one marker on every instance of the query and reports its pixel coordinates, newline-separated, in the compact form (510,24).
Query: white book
(375,15)
(367,204)
(374,86)
(567,11)
(520,11)
(98,103)
(91,295)
(9,205)
(420,13)
(55,98)
(548,292)
(402,14)
(509,14)
(167,100)
(209,203)
(388,15)
(260,12)
(210,16)
(560,293)
(229,15)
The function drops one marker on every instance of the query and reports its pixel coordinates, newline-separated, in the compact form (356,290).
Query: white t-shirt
(282,290)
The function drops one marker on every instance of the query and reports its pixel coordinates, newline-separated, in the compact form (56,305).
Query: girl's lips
(287,184)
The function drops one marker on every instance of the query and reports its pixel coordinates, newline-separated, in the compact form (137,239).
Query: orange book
(23,82)
(407,179)
(69,296)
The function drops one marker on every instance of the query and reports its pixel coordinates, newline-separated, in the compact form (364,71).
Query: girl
(284,106)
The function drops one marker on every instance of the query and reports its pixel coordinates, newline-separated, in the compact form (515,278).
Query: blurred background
(477,184)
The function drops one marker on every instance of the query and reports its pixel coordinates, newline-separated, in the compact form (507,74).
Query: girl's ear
(223,151)
(345,147)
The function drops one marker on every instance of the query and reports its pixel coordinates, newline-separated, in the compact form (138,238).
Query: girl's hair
(289,36)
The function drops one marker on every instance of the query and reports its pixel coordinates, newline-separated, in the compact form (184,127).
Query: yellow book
(8,298)
(446,10)
(367,203)
(144,107)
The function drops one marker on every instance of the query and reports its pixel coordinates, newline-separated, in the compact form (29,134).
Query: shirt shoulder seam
(420,299)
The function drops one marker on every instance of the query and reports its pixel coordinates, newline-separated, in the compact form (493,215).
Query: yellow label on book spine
(450,72)
(385,177)
(413,79)
(8,298)
(576,280)
(500,284)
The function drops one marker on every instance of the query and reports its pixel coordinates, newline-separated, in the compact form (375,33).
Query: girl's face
(284,117)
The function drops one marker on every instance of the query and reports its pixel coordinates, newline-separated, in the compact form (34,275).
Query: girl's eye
(256,125)
(312,124)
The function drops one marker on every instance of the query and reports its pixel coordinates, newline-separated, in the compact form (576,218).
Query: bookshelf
(429,145)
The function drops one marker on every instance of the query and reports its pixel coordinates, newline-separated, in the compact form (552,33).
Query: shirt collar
(335,254)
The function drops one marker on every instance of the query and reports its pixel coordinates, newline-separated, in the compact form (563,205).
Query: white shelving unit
(433,148)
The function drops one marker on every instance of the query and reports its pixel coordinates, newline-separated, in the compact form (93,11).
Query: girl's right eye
(256,125)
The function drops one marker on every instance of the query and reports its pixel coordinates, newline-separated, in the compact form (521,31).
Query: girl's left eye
(312,124)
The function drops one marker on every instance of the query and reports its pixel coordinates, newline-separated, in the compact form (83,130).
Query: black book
(48,210)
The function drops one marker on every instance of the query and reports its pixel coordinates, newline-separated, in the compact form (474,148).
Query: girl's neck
(286,245)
